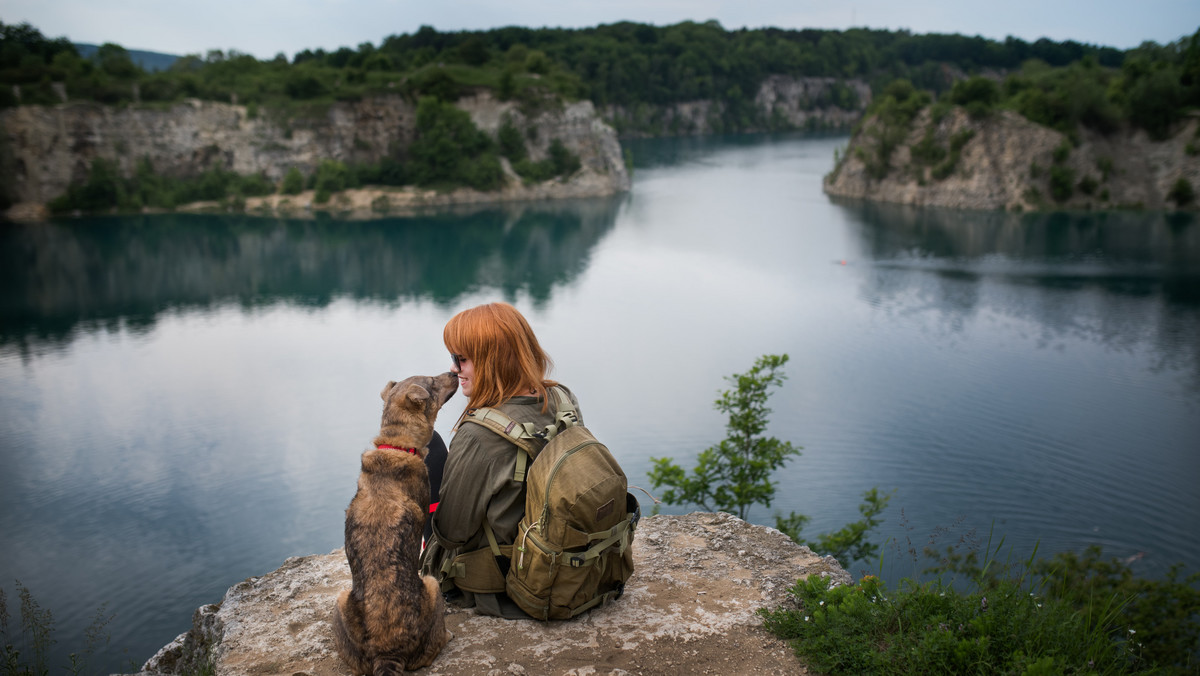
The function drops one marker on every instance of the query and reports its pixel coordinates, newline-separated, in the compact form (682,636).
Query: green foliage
(1182,192)
(1061,152)
(928,151)
(332,176)
(293,182)
(1062,182)
(106,189)
(511,142)
(979,95)
(736,473)
(1088,185)
(893,113)
(450,149)
(934,628)
(848,543)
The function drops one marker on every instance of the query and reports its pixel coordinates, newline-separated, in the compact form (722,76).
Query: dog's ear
(416,395)
(387,388)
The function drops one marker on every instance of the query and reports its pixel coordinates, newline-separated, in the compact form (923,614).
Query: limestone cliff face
(688,608)
(1007,162)
(781,101)
(52,147)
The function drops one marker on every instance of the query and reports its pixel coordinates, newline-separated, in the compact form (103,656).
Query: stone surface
(52,147)
(688,608)
(1006,165)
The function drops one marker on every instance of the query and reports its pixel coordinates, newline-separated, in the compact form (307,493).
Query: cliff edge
(52,147)
(688,608)
(1004,161)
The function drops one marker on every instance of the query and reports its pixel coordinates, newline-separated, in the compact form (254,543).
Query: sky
(265,28)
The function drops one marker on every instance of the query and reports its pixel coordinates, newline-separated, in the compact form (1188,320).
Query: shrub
(563,161)
(979,95)
(331,176)
(1088,185)
(1062,152)
(293,182)
(927,151)
(1062,182)
(512,144)
(1182,192)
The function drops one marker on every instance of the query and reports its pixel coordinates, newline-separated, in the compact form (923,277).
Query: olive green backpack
(573,545)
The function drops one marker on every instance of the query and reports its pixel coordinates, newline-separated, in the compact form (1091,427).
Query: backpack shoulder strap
(527,436)
(515,433)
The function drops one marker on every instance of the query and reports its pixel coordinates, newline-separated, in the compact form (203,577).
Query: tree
(293,182)
(736,473)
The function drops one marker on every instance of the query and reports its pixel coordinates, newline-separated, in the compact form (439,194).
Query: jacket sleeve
(474,473)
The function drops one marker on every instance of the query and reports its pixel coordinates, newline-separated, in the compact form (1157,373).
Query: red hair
(507,357)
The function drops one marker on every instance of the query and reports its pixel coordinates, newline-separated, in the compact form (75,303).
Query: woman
(499,364)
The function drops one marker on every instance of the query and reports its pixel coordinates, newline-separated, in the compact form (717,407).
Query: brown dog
(393,618)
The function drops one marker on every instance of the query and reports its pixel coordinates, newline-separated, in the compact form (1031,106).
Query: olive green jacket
(478,484)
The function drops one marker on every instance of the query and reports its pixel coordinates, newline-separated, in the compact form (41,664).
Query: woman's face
(464,368)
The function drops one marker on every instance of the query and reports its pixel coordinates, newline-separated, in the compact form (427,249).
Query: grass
(1068,614)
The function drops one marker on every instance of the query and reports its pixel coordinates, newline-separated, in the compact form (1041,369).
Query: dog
(393,618)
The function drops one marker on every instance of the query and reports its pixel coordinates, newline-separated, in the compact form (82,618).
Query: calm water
(183,399)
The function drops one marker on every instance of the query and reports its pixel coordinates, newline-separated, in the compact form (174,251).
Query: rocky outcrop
(1004,161)
(781,102)
(52,147)
(689,608)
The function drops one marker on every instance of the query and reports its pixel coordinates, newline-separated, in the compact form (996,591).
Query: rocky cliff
(689,608)
(781,102)
(51,147)
(1004,161)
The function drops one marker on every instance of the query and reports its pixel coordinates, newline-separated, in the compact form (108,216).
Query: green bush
(979,95)
(293,182)
(1182,192)
(332,176)
(512,144)
(450,150)
(1062,182)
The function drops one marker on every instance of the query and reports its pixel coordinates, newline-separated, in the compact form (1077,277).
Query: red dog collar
(397,448)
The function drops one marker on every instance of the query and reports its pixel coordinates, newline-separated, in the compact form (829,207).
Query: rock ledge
(689,608)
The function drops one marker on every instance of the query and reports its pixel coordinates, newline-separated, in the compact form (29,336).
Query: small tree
(293,182)
(736,473)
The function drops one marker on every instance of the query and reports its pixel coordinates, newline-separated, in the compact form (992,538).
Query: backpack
(573,545)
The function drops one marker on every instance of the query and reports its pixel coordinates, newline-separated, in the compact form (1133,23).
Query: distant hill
(149,61)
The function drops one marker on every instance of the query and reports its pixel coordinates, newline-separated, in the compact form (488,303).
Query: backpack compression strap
(527,436)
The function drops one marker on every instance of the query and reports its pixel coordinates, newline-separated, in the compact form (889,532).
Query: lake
(183,398)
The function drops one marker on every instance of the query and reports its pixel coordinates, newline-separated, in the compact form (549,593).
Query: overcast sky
(266,27)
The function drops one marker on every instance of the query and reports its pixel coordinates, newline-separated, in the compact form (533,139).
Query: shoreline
(365,203)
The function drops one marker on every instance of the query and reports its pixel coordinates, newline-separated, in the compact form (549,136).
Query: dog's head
(410,408)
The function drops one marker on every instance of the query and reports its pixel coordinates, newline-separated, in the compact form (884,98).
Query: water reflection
(127,270)
(1117,278)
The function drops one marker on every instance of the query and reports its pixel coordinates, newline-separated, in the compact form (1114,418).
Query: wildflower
(806,618)
(823,603)
(983,604)
(1131,631)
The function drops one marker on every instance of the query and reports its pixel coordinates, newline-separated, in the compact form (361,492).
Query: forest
(622,64)
(1059,84)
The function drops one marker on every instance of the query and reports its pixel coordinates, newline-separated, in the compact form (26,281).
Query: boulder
(690,607)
